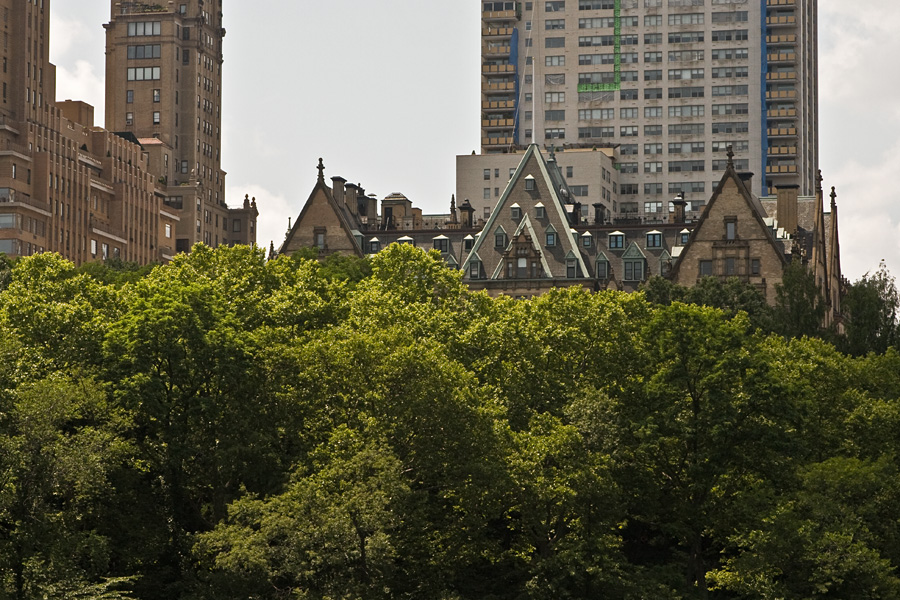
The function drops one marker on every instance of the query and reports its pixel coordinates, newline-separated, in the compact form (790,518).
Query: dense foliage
(226,427)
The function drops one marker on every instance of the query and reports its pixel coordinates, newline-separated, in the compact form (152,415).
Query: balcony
(9,195)
(790,38)
(781,169)
(782,57)
(781,76)
(496,142)
(498,105)
(781,94)
(782,150)
(493,88)
(498,32)
(782,132)
(495,51)
(782,112)
(497,69)
(780,3)
(498,123)
(500,15)
(782,21)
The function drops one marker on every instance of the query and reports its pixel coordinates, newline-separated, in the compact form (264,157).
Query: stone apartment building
(86,192)
(537,236)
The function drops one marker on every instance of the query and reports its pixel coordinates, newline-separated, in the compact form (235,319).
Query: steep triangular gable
(754,208)
(515,193)
(320,198)
(634,252)
(524,228)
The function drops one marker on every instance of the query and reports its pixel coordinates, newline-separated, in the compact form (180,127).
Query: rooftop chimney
(337,189)
(680,205)
(787,207)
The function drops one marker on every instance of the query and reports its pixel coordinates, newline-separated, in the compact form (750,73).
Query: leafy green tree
(703,433)
(731,295)
(60,447)
(59,316)
(871,308)
(836,538)
(799,305)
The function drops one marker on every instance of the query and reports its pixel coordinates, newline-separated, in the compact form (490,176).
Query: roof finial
(452,202)
(552,152)
(819,180)
(321,168)
(730,155)
(833,199)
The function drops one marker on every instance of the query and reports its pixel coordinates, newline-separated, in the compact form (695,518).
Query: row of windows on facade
(653,57)
(650,112)
(524,268)
(560,5)
(736,16)
(654,93)
(650,39)
(649,75)
(683,129)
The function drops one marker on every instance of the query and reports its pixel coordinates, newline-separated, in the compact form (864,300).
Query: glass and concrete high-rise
(671,83)
(164,86)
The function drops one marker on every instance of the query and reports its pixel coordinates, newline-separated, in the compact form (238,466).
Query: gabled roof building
(537,236)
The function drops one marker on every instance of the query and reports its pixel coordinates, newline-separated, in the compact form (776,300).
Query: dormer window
(602,269)
(515,211)
(500,238)
(654,239)
(474,269)
(530,184)
(374,246)
(587,240)
(442,244)
(467,243)
(571,268)
(617,240)
(550,237)
(539,211)
(685,236)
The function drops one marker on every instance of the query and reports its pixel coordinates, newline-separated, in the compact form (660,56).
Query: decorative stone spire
(730,155)
(819,180)
(321,169)
(271,250)
(453,218)
(833,199)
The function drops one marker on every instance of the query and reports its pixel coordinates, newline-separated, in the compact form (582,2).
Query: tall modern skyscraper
(164,86)
(672,83)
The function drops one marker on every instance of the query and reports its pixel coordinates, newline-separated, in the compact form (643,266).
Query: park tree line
(227,427)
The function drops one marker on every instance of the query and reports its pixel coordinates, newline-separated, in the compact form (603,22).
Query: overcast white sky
(389,101)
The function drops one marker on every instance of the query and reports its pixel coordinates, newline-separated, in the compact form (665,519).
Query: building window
(602,269)
(94,248)
(634,270)
(730,266)
(587,241)
(156,95)
(129,96)
(143,73)
(129,118)
(617,240)
(684,238)
(731,229)
(487,193)
(540,212)
(156,117)
(144,28)
(706,268)
(374,246)
(654,240)
(474,269)
(168,231)
(551,238)
(754,266)
(500,239)
(487,174)
(515,212)
(442,245)
(571,269)
(529,184)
